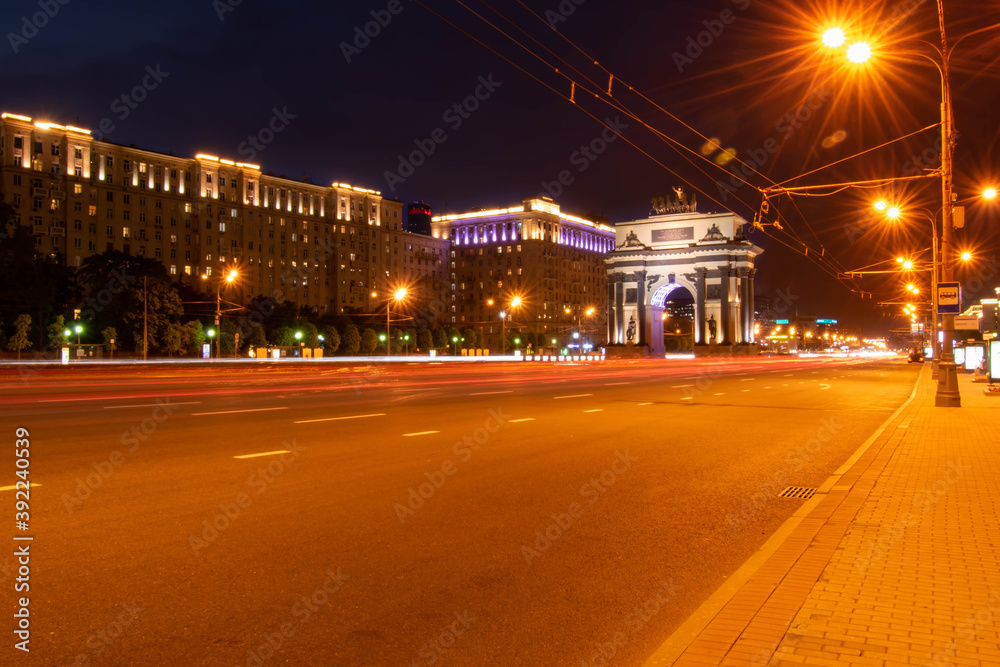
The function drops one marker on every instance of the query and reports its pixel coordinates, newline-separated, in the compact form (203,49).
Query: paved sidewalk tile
(905,567)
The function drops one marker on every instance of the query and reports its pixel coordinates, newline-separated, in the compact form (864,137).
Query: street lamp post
(397,296)
(230,277)
(78,329)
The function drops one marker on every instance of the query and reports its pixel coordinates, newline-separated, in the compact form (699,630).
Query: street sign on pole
(949,298)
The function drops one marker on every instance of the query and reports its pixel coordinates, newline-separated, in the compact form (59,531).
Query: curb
(759,601)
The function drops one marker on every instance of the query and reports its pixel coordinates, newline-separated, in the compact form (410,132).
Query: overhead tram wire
(571,100)
(815,255)
(612,101)
(611,78)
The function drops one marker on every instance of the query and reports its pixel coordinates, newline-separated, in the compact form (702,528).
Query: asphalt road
(474,514)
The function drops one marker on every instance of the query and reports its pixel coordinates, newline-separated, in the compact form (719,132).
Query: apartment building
(331,248)
(552,261)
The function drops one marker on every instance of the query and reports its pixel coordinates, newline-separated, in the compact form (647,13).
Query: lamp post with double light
(228,279)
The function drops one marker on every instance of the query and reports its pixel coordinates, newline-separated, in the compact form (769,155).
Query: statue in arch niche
(713,328)
(630,332)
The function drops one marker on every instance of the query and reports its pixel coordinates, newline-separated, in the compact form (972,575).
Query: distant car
(916,356)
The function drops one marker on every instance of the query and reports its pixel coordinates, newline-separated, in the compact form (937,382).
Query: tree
(19,341)
(192,336)
(173,342)
(351,341)
(331,339)
(471,337)
(310,334)
(256,337)
(440,338)
(57,332)
(425,340)
(283,337)
(110,338)
(162,306)
(32,281)
(453,335)
(369,341)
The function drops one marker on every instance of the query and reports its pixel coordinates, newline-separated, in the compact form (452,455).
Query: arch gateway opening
(662,256)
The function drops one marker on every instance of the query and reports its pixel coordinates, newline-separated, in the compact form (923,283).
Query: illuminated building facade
(325,247)
(553,261)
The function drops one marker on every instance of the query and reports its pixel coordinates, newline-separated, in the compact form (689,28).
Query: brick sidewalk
(897,564)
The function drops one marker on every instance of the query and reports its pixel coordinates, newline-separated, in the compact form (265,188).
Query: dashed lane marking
(253,456)
(334,419)
(232,412)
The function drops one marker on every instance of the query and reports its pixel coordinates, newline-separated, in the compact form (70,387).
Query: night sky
(761,85)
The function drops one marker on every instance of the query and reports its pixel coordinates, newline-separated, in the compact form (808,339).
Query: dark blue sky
(226,68)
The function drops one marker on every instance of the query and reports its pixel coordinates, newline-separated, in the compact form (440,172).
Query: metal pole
(145,299)
(947,390)
(218,329)
(935,344)
(388,338)
(503,335)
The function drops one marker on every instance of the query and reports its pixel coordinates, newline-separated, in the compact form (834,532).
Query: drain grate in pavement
(797,492)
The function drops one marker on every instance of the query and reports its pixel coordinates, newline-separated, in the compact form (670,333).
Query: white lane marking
(147,405)
(787,376)
(721,393)
(611,384)
(824,386)
(253,456)
(522,419)
(766,387)
(687,398)
(596,410)
(744,390)
(748,379)
(333,419)
(556,398)
(644,403)
(785,385)
(681,386)
(740,373)
(232,412)
(31,485)
(409,435)
(488,393)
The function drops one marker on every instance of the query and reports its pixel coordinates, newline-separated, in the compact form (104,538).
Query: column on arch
(699,310)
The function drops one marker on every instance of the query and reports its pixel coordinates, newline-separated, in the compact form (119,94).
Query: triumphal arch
(677,248)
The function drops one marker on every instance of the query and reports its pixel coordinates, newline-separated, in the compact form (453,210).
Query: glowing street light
(966,256)
(859,52)
(229,278)
(834,37)
(881,205)
(989,193)
(892,212)
(78,329)
(398,295)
